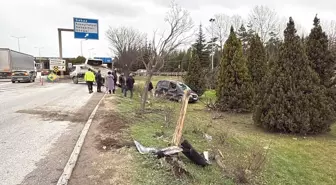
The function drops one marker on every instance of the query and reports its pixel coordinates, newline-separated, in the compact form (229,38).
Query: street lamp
(212,52)
(18,38)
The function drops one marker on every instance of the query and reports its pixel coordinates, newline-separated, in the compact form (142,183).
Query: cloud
(323,5)
(121,8)
(38,20)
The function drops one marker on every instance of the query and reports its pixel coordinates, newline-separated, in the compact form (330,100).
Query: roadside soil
(105,157)
(49,169)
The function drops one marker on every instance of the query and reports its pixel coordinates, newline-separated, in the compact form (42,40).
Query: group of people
(126,84)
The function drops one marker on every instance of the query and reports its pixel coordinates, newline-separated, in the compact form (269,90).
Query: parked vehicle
(45,72)
(23,76)
(173,90)
(78,71)
(15,61)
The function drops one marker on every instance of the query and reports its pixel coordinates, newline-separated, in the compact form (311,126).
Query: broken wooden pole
(180,122)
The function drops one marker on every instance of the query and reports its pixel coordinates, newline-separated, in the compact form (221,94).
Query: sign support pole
(60,44)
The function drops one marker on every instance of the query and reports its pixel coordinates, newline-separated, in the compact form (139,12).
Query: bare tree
(236,21)
(124,43)
(330,29)
(157,50)
(264,21)
(220,28)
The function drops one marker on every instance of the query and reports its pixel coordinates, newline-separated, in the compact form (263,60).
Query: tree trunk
(145,92)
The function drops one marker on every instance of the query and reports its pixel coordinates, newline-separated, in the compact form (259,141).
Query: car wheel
(75,80)
(179,99)
(13,82)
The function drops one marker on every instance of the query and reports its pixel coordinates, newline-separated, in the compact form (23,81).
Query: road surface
(39,127)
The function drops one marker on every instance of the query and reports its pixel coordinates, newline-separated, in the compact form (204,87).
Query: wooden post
(180,122)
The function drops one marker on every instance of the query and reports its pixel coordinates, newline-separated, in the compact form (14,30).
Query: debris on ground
(208,137)
(144,150)
(193,155)
(186,149)
(159,152)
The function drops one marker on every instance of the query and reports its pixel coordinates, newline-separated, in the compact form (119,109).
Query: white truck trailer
(11,60)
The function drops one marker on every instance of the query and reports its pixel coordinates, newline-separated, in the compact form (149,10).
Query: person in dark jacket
(115,77)
(150,90)
(122,82)
(99,80)
(129,85)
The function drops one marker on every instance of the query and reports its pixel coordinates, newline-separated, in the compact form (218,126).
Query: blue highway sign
(86,28)
(106,60)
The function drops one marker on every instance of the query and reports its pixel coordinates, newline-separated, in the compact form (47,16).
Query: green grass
(291,159)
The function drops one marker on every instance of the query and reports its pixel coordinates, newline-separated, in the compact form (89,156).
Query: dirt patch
(110,143)
(81,116)
(105,157)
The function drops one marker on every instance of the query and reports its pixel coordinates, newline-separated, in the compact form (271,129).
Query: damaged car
(174,90)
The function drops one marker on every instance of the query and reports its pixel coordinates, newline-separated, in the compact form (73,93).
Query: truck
(78,71)
(11,61)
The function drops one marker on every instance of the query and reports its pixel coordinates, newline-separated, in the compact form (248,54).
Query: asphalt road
(39,126)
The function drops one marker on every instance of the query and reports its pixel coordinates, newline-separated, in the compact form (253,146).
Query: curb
(68,169)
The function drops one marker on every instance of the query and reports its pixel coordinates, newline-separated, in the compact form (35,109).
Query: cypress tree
(319,55)
(234,89)
(293,101)
(257,63)
(195,78)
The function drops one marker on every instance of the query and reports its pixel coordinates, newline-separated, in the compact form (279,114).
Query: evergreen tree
(257,63)
(272,49)
(201,49)
(319,55)
(195,78)
(292,100)
(245,36)
(234,89)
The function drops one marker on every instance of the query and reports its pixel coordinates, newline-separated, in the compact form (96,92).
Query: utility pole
(39,49)
(212,49)
(59,31)
(18,38)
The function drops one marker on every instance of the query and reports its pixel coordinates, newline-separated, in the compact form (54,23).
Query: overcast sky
(38,20)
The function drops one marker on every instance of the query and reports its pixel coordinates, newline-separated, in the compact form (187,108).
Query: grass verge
(243,152)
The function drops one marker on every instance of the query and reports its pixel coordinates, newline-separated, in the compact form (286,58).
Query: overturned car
(174,90)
